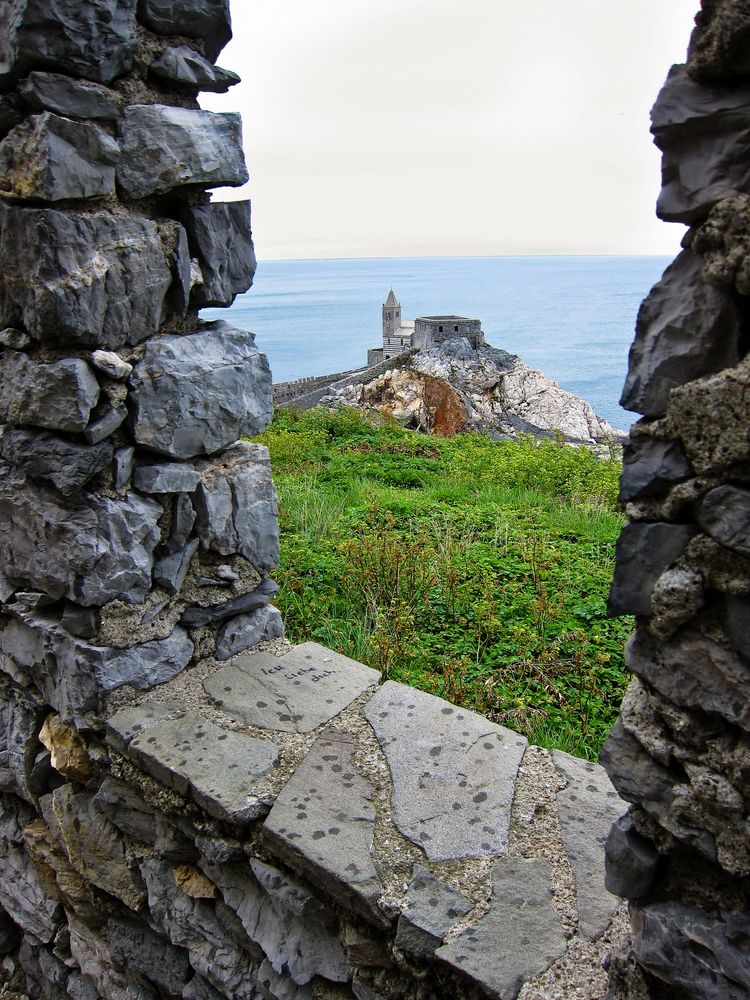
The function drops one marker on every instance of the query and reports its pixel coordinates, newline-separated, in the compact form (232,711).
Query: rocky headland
(454,387)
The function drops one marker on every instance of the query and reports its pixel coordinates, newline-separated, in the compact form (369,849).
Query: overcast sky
(420,127)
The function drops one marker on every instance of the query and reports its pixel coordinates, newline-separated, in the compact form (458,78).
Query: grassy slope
(474,569)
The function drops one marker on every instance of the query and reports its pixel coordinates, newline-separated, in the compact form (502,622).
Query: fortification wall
(284,391)
(310,399)
(680,752)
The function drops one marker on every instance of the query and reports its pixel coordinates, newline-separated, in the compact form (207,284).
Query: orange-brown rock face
(421,401)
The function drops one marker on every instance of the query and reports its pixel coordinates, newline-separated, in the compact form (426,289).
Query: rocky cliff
(454,388)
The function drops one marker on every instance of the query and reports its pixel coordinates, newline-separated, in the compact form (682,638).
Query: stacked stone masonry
(680,752)
(184,811)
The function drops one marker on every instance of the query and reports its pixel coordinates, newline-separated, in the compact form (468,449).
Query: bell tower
(391,315)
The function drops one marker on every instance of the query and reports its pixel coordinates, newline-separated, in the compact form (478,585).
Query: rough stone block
(65,96)
(220,237)
(631,860)
(124,463)
(166,477)
(20,719)
(294,693)
(208,20)
(644,552)
(170,572)
(236,506)
(59,395)
(11,113)
(700,955)
(322,825)
(105,426)
(720,43)
(197,617)
(133,945)
(454,773)
(128,723)
(245,631)
(28,895)
(217,946)
(182,147)
(94,39)
(71,160)
(111,365)
(183,519)
(195,394)
(517,939)
(217,767)
(686,328)
(64,464)
(586,808)
(301,946)
(703,132)
(187,68)
(724,514)
(97,551)
(432,909)
(651,468)
(95,279)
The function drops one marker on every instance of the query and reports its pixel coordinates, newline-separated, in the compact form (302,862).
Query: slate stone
(696,672)
(303,945)
(166,477)
(128,723)
(182,269)
(71,160)
(66,465)
(199,989)
(94,39)
(217,946)
(631,860)
(703,132)
(20,720)
(170,572)
(236,506)
(124,464)
(517,939)
(686,328)
(75,278)
(220,237)
(245,631)
(65,96)
(105,426)
(275,986)
(208,20)
(16,340)
(724,514)
(699,954)
(322,825)
(215,766)
(454,773)
(81,622)
(111,365)
(586,808)
(433,907)
(59,395)
(197,617)
(31,900)
(147,664)
(185,67)
(651,468)
(11,113)
(645,550)
(133,945)
(94,847)
(89,951)
(294,693)
(97,551)
(197,393)
(183,146)
(183,519)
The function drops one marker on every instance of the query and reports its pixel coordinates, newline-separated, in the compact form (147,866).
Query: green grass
(474,569)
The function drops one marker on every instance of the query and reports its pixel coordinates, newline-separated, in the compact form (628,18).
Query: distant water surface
(571,317)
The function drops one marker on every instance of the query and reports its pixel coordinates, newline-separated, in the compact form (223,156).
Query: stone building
(425,332)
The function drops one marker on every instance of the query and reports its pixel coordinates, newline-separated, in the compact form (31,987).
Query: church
(424,332)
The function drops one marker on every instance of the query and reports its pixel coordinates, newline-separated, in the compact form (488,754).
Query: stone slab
(221,239)
(197,617)
(454,773)
(208,20)
(59,395)
(586,808)
(216,767)
(86,278)
(517,939)
(184,146)
(67,465)
(433,907)
(294,693)
(166,477)
(187,68)
(645,550)
(65,96)
(322,825)
(196,393)
(241,633)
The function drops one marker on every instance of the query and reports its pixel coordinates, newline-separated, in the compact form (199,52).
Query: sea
(572,317)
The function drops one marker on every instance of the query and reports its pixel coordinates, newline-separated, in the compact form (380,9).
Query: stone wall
(680,752)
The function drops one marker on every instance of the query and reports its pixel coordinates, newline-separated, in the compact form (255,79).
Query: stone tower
(391,315)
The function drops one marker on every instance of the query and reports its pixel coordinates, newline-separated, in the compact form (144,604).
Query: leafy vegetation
(474,569)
